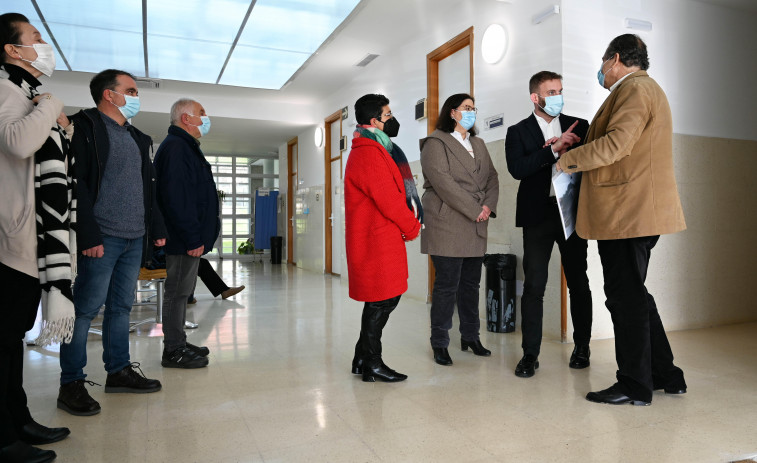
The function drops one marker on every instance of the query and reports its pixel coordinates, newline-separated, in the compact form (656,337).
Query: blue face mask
(205,126)
(601,75)
(553,105)
(469,118)
(130,108)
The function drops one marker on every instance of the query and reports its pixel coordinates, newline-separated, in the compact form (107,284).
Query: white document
(566,191)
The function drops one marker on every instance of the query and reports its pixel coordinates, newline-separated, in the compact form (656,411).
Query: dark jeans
(642,351)
(457,281)
(21,294)
(110,280)
(210,278)
(181,275)
(538,241)
(372,323)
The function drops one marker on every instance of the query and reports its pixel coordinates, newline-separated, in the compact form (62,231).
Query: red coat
(376,216)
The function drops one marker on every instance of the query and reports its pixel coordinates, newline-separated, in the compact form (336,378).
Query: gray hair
(180,107)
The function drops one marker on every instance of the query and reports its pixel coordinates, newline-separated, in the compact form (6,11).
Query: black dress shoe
(379,371)
(613,396)
(676,390)
(21,452)
(580,357)
(74,398)
(475,346)
(527,366)
(441,356)
(129,380)
(34,433)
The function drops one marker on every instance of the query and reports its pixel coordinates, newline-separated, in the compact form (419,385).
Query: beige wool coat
(457,186)
(628,189)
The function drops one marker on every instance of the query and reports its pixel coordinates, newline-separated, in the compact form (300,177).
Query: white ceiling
(253,121)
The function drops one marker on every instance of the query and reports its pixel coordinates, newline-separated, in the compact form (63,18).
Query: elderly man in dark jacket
(188,199)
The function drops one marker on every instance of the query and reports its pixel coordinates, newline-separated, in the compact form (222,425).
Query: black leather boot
(357,360)
(368,350)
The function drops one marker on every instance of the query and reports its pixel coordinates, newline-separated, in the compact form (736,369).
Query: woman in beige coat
(461,192)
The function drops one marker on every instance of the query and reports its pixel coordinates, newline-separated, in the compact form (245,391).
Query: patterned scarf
(55,203)
(411,193)
(55,198)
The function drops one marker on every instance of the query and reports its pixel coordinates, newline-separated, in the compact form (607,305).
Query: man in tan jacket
(628,199)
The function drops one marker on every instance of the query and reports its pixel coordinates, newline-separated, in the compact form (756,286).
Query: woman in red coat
(382,211)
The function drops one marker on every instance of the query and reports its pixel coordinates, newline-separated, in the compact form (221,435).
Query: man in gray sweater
(118,223)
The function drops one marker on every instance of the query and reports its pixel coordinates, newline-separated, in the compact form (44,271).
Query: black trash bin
(276,244)
(500,292)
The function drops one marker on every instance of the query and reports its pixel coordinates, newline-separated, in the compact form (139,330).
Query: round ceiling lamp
(494,43)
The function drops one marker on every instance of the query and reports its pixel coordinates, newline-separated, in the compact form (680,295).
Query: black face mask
(391,127)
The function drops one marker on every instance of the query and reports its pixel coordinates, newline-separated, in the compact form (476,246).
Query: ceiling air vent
(367,60)
(147,83)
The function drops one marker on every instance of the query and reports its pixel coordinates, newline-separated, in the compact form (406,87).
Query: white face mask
(45,62)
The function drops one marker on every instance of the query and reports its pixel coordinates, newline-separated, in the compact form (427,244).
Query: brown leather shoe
(232,291)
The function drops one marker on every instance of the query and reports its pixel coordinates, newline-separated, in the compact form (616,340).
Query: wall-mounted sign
(494,121)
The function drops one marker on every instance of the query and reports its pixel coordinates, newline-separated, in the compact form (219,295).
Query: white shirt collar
(615,85)
(543,122)
(465,141)
(459,136)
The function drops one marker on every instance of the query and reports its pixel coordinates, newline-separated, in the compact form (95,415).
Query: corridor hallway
(279,389)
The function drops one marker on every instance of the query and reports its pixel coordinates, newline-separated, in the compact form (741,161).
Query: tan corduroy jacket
(628,189)
(457,186)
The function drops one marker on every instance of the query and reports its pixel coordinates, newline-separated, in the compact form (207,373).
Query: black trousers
(538,241)
(374,319)
(21,295)
(457,282)
(642,350)
(210,278)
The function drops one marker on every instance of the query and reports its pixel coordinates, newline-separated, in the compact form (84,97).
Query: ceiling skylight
(258,43)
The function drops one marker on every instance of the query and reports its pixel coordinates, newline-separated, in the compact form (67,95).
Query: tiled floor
(278,389)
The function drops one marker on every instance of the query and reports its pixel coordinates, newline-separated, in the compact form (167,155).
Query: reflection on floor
(278,388)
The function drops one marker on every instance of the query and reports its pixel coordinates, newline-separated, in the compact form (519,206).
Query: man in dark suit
(531,159)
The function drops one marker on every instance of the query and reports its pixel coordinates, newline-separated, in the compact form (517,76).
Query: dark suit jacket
(530,163)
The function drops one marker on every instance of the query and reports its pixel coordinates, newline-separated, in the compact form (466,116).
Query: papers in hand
(566,191)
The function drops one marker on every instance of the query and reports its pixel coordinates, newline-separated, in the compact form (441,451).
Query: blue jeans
(110,280)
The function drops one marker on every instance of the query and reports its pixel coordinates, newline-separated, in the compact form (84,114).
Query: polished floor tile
(279,389)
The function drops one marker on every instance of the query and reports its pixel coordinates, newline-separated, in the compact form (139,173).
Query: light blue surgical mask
(601,75)
(553,105)
(205,126)
(468,120)
(130,108)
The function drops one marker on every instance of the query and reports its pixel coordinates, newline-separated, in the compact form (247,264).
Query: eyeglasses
(468,108)
(389,114)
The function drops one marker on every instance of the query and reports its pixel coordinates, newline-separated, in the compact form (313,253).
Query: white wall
(699,53)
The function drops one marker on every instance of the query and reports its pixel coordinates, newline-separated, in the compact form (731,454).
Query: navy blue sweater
(187,194)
